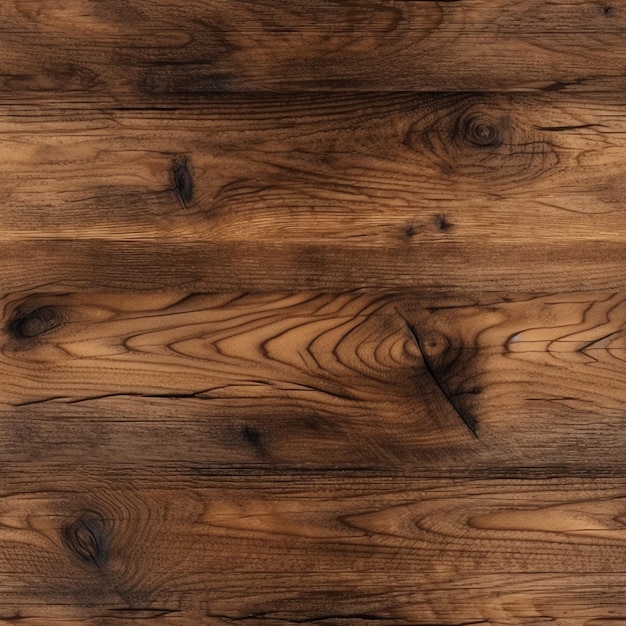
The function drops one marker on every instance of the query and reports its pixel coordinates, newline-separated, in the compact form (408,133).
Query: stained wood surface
(312,312)
(447,193)
(75,48)
(175,547)
(377,382)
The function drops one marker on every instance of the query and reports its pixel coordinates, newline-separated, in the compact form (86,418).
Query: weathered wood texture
(313,312)
(378,382)
(446,193)
(106,548)
(74,48)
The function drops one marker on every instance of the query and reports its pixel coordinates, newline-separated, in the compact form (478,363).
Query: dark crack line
(559,129)
(467,419)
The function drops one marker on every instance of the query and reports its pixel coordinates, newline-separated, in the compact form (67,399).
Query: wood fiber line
(378,382)
(71,49)
(173,548)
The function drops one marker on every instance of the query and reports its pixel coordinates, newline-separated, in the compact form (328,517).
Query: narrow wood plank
(113,547)
(73,48)
(385,382)
(64,265)
(450,192)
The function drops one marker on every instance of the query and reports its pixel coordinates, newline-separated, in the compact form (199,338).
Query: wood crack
(465,417)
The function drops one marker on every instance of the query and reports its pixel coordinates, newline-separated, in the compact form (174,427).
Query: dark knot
(482,131)
(37,322)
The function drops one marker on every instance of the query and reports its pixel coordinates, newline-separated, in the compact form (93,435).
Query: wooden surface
(446,193)
(178,547)
(76,48)
(312,313)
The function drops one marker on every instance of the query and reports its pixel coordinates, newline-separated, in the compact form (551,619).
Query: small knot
(85,537)
(37,322)
(182,181)
(410,230)
(607,10)
(442,223)
(482,131)
(253,438)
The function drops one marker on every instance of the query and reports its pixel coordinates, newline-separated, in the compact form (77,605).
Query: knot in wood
(481,131)
(182,181)
(85,537)
(35,323)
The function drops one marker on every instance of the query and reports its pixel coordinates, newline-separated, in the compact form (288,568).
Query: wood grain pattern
(447,193)
(121,547)
(385,382)
(367,170)
(312,312)
(72,48)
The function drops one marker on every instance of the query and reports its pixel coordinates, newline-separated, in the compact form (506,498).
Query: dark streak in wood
(370,618)
(559,129)
(142,613)
(252,437)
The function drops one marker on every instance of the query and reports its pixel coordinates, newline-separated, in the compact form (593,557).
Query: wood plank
(448,192)
(355,169)
(304,379)
(73,48)
(384,382)
(93,547)
(64,265)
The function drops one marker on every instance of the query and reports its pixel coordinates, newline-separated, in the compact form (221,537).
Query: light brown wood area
(312,312)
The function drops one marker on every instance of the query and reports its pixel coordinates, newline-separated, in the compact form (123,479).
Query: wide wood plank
(385,382)
(72,48)
(172,548)
(449,192)
(360,170)
(304,379)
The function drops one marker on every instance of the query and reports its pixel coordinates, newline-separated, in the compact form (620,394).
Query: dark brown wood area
(313,312)
(74,49)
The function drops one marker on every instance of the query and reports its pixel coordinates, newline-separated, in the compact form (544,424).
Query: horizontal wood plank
(74,48)
(389,170)
(385,382)
(64,265)
(173,548)
(448,192)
